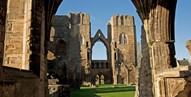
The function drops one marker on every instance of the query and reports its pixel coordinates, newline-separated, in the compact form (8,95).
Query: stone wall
(84,36)
(17,34)
(24,49)
(17,83)
(101,68)
(58,90)
(57,60)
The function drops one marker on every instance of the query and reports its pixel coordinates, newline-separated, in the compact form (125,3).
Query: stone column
(158,33)
(49,9)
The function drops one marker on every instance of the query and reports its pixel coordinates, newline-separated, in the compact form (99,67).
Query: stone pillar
(85,45)
(158,46)
(37,64)
(145,76)
(43,58)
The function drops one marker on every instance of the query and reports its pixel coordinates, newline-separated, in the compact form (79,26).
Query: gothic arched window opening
(122,39)
(61,48)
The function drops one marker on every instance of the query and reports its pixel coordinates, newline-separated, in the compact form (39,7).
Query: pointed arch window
(122,39)
(61,48)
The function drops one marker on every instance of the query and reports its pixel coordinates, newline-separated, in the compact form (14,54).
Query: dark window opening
(97,66)
(122,39)
(61,48)
(115,56)
(88,55)
(92,65)
(87,44)
(122,21)
(107,65)
(102,65)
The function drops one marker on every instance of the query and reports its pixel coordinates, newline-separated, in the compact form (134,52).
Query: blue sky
(101,11)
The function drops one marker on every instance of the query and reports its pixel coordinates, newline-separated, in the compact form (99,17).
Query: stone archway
(158,49)
(99,36)
(99,67)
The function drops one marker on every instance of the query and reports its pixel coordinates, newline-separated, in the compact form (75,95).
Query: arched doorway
(100,37)
(102,78)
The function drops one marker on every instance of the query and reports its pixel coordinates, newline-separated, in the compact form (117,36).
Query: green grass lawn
(105,91)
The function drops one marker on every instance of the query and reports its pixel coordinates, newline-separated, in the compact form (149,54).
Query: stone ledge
(183,71)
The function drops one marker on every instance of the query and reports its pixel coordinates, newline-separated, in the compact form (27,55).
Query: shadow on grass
(111,89)
(92,91)
(96,96)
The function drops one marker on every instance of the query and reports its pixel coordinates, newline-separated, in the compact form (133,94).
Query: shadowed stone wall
(74,31)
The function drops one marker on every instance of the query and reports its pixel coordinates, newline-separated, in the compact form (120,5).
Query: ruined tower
(80,25)
(59,48)
(69,48)
(121,36)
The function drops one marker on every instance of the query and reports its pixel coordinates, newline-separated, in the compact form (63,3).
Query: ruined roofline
(72,13)
(59,16)
(84,13)
(121,19)
(78,13)
(122,15)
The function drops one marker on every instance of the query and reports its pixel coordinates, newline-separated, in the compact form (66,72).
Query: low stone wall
(58,90)
(18,83)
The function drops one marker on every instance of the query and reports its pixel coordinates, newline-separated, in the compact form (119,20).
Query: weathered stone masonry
(74,31)
(24,29)
(121,34)
(158,76)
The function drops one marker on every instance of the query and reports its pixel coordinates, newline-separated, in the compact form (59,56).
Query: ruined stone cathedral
(70,50)
(28,36)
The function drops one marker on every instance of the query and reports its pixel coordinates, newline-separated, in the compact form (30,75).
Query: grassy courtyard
(105,91)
